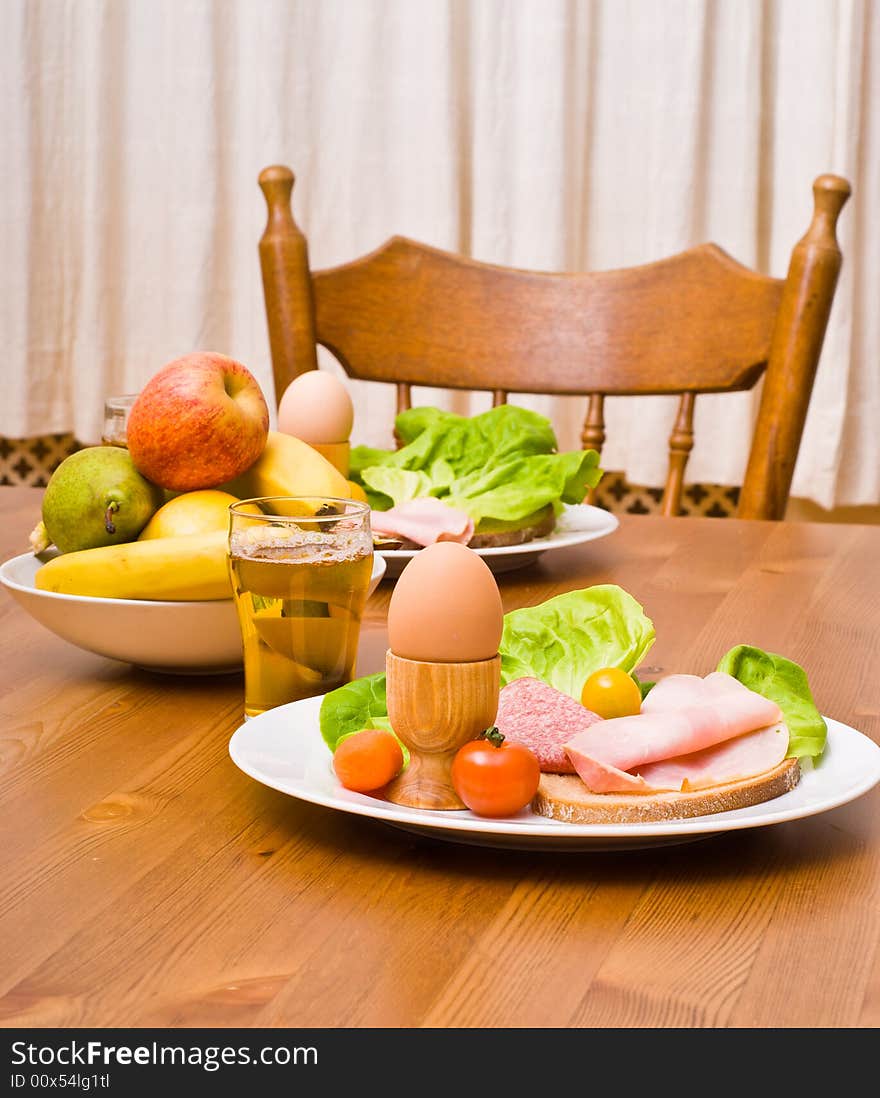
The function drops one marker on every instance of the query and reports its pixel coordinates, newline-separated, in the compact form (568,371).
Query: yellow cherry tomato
(611,692)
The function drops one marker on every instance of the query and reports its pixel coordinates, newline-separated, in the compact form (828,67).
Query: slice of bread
(565,797)
(491,534)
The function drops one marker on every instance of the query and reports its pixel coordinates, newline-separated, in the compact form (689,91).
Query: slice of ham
(741,757)
(543,718)
(683,716)
(424,521)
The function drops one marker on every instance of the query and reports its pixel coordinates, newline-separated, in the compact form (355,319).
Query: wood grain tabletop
(146,881)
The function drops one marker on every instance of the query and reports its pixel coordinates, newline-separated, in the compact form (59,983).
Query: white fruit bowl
(184,638)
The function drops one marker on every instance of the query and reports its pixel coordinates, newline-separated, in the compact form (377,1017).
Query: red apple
(198,422)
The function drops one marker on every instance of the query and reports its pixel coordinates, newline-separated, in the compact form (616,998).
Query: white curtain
(554,134)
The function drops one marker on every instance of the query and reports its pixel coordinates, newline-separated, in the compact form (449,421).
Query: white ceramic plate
(578,523)
(184,638)
(283,749)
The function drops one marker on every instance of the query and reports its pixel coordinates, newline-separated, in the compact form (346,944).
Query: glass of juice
(300,570)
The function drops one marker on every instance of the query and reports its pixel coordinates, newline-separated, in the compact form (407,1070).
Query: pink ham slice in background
(684,718)
(424,521)
(543,718)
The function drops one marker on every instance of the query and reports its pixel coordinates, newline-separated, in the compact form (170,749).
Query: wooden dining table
(145,881)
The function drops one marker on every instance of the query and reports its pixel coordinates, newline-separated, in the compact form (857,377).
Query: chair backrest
(696,322)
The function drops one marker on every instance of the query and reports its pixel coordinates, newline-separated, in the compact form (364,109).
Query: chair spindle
(404,403)
(593,434)
(499,396)
(681,442)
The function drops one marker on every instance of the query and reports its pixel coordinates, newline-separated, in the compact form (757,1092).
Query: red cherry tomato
(495,778)
(367,760)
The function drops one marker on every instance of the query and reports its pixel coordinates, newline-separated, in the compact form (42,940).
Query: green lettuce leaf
(524,485)
(785,682)
(399,485)
(414,421)
(502,464)
(358,704)
(564,640)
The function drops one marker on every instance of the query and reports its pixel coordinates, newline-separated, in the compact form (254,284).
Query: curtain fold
(553,134)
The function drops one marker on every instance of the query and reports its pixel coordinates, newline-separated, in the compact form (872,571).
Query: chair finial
(830,193)
(276,183)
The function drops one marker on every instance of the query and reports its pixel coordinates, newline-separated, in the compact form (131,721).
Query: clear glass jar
(116,409)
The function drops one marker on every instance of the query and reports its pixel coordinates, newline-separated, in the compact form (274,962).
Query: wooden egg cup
(337,453)
(436,708)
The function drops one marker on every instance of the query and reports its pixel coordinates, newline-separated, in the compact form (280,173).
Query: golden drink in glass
(299,582)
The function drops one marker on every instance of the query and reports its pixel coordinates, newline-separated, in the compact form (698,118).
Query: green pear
(96,497)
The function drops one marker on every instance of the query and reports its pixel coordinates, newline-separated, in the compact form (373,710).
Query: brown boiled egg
(316,408)
(446,607)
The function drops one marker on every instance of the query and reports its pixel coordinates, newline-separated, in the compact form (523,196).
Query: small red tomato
(367,760)
(495,778)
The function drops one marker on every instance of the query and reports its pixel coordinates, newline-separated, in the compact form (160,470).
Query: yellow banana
(289,467)
(191,566)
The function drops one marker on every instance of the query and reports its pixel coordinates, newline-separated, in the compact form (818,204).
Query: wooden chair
(697,322)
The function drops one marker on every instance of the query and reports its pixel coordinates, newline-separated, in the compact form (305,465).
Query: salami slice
(543,718)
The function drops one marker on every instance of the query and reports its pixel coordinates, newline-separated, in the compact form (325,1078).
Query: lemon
(198,512)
